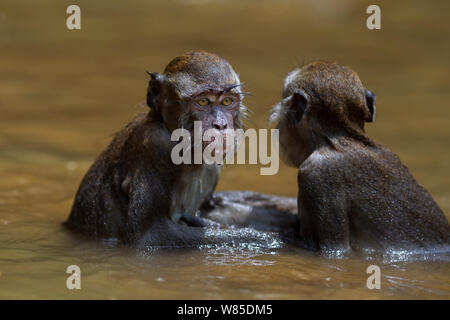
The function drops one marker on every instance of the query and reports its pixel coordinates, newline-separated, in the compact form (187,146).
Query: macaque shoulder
(143,133)
(322,166)
(336,169)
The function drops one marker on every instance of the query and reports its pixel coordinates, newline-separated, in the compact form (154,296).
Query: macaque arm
(147,201)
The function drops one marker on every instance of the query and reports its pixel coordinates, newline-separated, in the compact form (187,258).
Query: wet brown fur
(133,189)
(354,194)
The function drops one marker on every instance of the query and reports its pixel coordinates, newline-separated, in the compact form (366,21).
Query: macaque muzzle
(215,143)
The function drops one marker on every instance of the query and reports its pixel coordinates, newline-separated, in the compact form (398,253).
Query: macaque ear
(370,102)
(155,85)
(297,107)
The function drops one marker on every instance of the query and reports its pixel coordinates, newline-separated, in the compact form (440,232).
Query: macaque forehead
(199,71)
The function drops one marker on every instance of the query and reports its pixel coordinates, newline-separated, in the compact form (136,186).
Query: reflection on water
(64,93)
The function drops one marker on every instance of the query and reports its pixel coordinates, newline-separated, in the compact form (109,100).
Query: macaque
(353,193)
(134,193)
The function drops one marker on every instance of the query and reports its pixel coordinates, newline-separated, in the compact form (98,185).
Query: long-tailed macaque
(353,193)
(134,192)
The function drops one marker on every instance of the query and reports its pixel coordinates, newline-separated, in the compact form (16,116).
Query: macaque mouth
(214,137)
(217,146)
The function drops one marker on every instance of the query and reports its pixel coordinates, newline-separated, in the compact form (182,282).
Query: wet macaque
(354,194)
(134,192)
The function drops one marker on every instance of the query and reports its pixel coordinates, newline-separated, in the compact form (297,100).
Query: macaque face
(292,147)
(217,111)
(199,87)
(290,118)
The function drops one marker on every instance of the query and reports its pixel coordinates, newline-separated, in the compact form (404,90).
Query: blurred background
(63,94)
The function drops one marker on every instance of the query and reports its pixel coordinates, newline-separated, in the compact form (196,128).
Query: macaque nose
(220,124)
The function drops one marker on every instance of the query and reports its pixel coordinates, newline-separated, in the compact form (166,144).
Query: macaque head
(321,101)
(197,86)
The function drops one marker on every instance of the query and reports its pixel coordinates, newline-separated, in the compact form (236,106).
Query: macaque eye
(203,102)
(227,101)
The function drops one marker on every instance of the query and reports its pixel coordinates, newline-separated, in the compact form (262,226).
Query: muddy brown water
(64,93)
